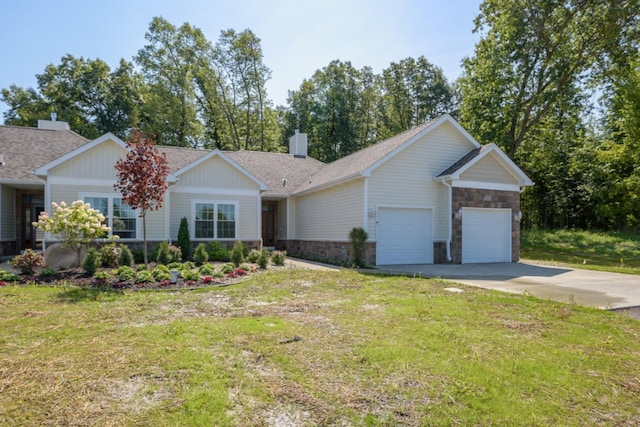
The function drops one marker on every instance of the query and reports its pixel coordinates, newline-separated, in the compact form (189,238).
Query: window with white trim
(214,220)
(121,218)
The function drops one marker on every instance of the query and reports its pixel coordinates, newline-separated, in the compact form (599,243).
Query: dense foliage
(555,83)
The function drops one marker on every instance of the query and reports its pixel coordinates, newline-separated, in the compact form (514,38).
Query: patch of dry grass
(298,348)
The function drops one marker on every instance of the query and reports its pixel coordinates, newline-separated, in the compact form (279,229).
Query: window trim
(215,203)
(110,198)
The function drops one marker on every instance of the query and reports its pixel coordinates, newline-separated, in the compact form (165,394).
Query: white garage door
(404,236)
(486,235)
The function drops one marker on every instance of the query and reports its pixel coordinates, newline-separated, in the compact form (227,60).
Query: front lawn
(295,347)
(616,252)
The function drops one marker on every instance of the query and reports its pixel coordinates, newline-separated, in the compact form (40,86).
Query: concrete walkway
(585,287)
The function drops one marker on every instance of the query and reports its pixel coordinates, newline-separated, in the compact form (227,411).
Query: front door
(269,210)
(31,207)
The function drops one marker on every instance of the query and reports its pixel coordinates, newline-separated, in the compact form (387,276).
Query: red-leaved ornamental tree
(142,178)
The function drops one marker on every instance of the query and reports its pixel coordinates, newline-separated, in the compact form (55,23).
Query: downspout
(449,215)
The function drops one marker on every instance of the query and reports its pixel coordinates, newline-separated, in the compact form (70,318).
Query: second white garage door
(486,235)
(404,236)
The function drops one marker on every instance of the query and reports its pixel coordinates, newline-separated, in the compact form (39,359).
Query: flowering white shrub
(76,226)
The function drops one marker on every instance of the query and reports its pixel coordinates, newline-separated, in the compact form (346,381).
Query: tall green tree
(414,91)
(531,55)
(84,92)
(169,62)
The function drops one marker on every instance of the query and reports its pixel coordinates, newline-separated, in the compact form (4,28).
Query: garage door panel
(486,235)
(404,236)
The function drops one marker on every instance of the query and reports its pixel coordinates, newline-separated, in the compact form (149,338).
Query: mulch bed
(78,277)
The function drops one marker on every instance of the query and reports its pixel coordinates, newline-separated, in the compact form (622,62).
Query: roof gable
(217,153)
(362,163)
(474,157)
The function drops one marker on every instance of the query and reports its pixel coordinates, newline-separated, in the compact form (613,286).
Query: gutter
(449,215)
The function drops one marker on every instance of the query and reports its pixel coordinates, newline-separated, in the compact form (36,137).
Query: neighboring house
(430,194)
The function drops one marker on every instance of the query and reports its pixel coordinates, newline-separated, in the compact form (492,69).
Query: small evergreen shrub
(6,276)
(184,239)
(238,253)
(175,266)
(91,261)
(125,273)
(206,270)
(143,276)
(162,253)
(358,237)
(253,256)
(141,267)
(161,272)
(126,257)
(263,260)
(48,272)
(175,253)
(217,252)
(278,257)
(228,268)
(190,275)
(138,256)
(187,266)
(102,277)
(109,254)
(28,261)
(200,255)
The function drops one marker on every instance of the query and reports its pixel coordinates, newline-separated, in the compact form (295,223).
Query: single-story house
(432,194)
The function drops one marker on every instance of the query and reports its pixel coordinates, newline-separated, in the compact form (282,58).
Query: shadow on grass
(76,295)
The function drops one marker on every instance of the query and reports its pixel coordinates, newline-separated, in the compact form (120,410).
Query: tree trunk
(144,237)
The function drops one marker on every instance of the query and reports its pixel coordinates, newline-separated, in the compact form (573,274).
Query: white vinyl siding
(330,214)
(486,235)
(8,212)
(95,164)
(282,220)
(407,179)
(488,169)
(217,173)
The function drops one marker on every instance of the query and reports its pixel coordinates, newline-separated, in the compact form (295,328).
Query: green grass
(372,350)
(616,252)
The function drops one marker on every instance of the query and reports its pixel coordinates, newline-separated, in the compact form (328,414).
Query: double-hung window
(121,218)
(214,220)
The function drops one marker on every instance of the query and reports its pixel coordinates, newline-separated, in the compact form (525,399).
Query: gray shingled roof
(356,163)
(24,149)
(272,168)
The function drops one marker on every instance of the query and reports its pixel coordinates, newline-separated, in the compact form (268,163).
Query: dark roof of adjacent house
(356,163)
(24,149)
(463,161)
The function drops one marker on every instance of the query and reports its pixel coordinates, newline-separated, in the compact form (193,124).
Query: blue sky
(298,36)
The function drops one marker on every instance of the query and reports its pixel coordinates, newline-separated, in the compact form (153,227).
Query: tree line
(555,83)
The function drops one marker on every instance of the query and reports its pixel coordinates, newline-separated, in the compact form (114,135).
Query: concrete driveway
(585,287)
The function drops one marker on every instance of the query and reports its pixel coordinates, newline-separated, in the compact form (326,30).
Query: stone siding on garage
(489,199)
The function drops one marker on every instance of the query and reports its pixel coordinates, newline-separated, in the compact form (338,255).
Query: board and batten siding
(488,169)
(247,216)
(217,173)
(8,212)
(95,164)
(330,214)
(406,180)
